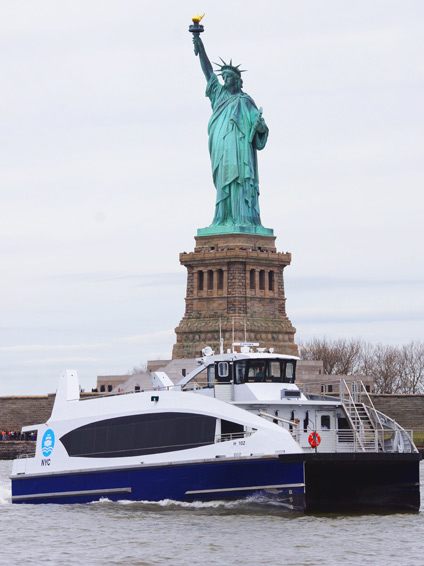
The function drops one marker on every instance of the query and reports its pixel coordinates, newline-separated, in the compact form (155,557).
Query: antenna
(245,336)
(221,339)
(233,334)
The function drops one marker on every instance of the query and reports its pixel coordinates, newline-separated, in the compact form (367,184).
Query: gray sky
(105,172)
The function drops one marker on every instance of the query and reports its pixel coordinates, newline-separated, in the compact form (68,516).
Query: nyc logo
(47,442)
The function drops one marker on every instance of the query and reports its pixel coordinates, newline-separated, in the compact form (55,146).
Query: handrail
(351,404)
(274,417)
(395,426)
(371,404)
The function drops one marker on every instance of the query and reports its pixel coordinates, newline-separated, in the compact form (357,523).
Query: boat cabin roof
(232,357)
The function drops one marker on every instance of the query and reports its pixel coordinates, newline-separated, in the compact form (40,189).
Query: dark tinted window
(325,422)
(137,435)
(342,423)
(257,370)
(228,427)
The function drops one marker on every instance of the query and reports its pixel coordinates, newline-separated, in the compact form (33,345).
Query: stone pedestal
(234,281)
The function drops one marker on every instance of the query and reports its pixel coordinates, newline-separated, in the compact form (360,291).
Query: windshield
(270,371)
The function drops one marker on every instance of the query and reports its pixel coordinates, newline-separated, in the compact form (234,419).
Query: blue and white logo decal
(47,443)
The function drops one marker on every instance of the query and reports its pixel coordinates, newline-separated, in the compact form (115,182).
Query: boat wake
(255,503)
(5,495)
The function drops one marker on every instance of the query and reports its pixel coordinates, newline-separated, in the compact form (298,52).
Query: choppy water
(204,533)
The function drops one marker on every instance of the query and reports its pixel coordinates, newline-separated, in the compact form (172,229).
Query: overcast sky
(105,172)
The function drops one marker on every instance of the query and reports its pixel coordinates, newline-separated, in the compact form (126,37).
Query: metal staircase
(368,431)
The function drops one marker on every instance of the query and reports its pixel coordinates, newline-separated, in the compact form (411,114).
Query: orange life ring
(314,439)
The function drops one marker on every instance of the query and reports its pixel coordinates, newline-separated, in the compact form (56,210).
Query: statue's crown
(229,67)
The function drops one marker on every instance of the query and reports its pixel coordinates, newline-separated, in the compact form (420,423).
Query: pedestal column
(257,315)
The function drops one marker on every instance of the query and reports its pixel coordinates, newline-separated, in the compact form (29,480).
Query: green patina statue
(237,131)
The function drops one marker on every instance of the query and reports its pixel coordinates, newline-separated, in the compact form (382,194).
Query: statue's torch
(196,29)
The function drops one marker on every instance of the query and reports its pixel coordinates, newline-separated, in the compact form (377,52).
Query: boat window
(223,371)
(240,372)
(257,371)
(325,422)
(306,422)
(342,423)
(290,371)
(275,371)
(228,427)
(344,433)
(138,435)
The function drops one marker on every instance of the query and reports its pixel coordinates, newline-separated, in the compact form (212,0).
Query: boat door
(325,423)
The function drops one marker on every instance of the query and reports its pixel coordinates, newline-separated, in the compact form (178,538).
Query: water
(233,533)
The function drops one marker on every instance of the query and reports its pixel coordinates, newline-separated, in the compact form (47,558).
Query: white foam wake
(5,493)
(254,500)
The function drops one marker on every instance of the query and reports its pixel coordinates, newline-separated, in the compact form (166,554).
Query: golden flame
(197,19)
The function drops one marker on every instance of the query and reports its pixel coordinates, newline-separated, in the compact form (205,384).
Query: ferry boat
(237,426)
(154,445)
(355,457)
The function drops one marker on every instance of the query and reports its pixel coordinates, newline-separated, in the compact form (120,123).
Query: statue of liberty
(236,131)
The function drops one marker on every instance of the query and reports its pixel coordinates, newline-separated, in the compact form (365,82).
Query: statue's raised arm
(237,131)
(199,49)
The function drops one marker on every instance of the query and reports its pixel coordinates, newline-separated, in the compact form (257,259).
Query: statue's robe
(233,155)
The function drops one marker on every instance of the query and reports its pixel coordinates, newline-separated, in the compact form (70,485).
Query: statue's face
(231,81)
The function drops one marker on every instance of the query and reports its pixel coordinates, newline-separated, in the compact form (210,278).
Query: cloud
(148,337)
(141,279)
(66,360)
(357,317)
(27,348)
(105,171)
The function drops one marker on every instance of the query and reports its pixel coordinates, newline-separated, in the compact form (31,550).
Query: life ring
(314,439)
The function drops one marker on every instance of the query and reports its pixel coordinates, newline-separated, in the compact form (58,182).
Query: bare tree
(382,363)
(394,369)
(412,368)
(342,357)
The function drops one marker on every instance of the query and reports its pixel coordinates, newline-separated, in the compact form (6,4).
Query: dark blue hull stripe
(194,481)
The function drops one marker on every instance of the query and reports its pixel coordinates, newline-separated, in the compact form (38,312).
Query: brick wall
(9,449)
(16,412)
(407,410)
